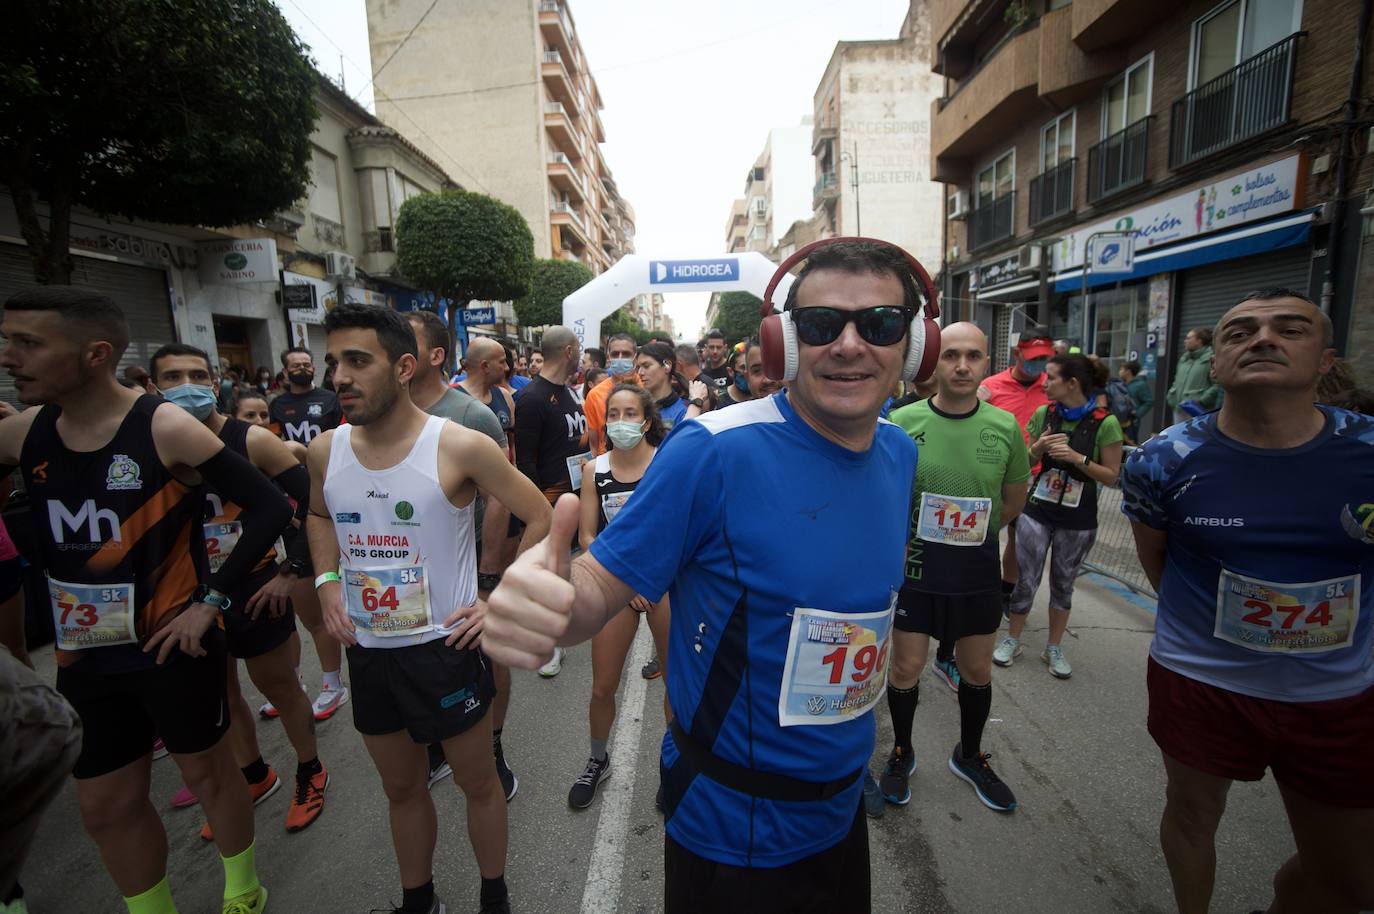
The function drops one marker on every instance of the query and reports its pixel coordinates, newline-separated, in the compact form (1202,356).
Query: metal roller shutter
(140,291)
(1207,292)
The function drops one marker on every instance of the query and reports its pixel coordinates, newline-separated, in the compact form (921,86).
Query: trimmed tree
(197,112)
(464,246)
(738,315)
(553,281)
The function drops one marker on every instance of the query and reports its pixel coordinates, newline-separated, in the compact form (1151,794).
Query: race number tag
(575,468)
(389,602)
(612,503)
(1058,488)
(836,668)
(92,615)
(953,521)
(220,540)
(1307,618)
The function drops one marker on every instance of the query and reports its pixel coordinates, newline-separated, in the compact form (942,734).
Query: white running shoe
(1054,656)
(1008,649)
(554,666)
(329,701)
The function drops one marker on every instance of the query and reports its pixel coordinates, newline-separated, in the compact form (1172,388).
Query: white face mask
(625,435)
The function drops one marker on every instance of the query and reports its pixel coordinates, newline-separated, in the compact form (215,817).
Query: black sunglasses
(884,325)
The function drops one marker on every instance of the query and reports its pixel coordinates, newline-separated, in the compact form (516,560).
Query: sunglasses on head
(884,325)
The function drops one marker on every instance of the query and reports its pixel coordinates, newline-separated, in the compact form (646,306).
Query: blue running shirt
(1269,585)
(809,524)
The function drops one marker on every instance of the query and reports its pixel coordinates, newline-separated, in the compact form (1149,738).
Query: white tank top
(408,554)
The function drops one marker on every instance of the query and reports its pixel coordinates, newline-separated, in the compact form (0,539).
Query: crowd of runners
(794,519)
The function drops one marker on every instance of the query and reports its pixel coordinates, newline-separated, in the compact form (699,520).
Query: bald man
(970,482)
(1255,524)
(485,363)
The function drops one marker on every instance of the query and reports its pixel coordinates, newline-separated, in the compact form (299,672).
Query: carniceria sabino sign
(238,260)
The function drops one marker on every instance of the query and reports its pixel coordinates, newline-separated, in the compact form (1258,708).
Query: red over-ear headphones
(778,335)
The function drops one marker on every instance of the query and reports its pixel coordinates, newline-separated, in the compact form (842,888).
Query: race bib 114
(952,520)
(836,667)
(1273,618)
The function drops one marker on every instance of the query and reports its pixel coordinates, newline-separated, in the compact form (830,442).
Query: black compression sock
(436,755)
(975,703)
(419,899)
(494,890)
(902,705)
(255,772)
(944,653)
(306,769)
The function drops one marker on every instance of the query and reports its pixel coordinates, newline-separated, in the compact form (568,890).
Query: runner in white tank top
(391,510)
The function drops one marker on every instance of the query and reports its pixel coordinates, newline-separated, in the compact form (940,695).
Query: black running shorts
(432,691)
(833,881)
(248,637)
(948,618)
(184,702)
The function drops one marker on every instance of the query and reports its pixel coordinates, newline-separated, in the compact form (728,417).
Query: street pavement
(1076,752)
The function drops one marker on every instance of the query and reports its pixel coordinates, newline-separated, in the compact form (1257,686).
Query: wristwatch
(294,566)
(1086,460)
(487,581)
(211,597)
(697,402)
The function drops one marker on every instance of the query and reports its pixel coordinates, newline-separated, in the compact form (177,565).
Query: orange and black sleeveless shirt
(112,524)
(222,525)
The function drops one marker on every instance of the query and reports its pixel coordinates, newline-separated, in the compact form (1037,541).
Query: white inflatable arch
(635,274)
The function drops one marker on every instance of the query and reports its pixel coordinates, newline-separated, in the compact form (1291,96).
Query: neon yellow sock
(157,900)
(240,873)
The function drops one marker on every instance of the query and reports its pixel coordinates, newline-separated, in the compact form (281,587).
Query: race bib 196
(836,668)
(220,540)
(1058,488)
(1310,617)
(92,615)
(953,521)
(389,602)
(612,503)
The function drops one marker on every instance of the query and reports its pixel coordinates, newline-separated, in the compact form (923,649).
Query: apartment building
(872,111)
(1207,135)
(501,92)
(747,229)
(777,191)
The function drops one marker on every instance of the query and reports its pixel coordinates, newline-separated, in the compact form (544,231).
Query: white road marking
(602,892)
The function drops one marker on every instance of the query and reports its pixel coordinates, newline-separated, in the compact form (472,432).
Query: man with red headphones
(783,583)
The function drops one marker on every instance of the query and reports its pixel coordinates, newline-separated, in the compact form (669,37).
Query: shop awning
(1282,232)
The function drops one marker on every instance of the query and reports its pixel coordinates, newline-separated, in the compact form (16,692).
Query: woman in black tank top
(633,433)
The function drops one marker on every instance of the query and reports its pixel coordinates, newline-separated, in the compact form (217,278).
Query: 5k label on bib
(836,668)
(1273,618)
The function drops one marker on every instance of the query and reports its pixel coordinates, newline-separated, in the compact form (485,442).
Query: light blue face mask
(1034,367)
(618,367)
(625,435)
(196,399)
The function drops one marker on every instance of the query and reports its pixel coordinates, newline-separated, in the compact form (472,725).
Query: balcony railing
(992,221)
(1118,162)
(1245,101)
(1051,192)
(553,57)
(826,186)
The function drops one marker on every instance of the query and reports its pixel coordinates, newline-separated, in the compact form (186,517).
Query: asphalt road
(1076,752)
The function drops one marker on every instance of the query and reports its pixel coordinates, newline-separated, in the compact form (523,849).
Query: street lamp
(853,159)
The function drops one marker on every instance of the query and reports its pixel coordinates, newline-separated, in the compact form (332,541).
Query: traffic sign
(1111,252)
(478,316)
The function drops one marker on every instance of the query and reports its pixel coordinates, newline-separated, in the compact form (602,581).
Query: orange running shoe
(308,801)
(259,792)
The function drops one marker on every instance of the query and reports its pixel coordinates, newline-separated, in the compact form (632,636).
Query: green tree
(553,281)
(194,112)
(464,246)
(738,316)
(620,322)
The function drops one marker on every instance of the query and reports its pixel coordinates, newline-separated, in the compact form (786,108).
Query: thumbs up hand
(532,606)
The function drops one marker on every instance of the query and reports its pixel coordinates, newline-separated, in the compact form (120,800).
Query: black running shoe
(985,783)
(895,782)
(509,783)
(584,788)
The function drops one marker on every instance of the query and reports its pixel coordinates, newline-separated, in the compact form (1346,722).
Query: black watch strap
(487,581)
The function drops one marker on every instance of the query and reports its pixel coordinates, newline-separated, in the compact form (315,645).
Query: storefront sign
(1000,272)
(324,294)
(478,315)
(298,295)
(1236,199)
(237,261)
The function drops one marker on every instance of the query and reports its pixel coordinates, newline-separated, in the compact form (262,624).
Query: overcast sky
(691,89)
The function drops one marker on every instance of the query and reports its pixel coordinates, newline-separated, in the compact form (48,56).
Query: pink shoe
(159,749)
(184,798)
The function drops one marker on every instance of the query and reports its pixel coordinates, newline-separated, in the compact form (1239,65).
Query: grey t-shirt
(467,412)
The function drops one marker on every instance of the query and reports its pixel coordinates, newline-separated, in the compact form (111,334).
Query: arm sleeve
(684,480)
(295,482)
(528,419)
(265,512)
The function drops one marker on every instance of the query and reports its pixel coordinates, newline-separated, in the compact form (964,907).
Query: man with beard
(303,411)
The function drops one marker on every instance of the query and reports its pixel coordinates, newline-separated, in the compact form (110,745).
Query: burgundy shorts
(1323,750)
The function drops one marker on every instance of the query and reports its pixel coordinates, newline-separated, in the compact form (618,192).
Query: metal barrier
(1113,552)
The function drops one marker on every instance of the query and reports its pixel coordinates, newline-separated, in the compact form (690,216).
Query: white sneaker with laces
(554,666)
(329,701)
(1008,649)
(1054,656)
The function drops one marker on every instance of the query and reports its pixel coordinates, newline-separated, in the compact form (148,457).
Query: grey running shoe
(1008,649)
(1053,655)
